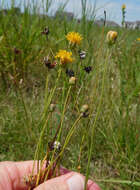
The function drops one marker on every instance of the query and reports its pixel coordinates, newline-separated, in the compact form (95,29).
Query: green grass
(111,90)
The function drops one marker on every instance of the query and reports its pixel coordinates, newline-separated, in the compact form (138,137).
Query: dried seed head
(85,114)
(70,73)
(17,51)
(57,145)
(82,54)
(46,31)
(88,69)
(48,63)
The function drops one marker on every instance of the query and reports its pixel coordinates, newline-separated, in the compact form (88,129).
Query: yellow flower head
(123,6)
(64,56)
(138,39)
(111,37)
(74,38)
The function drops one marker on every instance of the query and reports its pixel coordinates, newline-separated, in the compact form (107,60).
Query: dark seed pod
(85,114)
(46,31)
(47,61)
(17,51)
(88,69)
(69,73)
(52,65)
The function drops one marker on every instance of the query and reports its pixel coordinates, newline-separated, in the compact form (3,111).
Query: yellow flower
(74,38)
(64,56)
(111,37)
(123,6)
(138,39)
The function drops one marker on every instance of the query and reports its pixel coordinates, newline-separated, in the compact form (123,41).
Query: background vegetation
(111,89)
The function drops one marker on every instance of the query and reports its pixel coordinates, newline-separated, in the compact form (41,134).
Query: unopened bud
(111,37)
(72,80)
(84,108)
(21,81)
(52,107)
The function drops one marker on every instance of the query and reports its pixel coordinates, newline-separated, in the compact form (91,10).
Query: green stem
(96,118)
(132,183)
(50,97)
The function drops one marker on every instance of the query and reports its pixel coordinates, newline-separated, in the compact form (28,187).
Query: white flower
(56,145)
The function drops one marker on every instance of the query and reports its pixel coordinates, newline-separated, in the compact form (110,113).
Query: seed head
(48,63)
(70,73)
(46,31)
(82,54)
(88,69)
(57,145)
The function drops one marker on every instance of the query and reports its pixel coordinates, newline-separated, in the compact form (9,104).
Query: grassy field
(104,141)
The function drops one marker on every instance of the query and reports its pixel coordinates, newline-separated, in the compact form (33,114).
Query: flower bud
(52,107)
(123,6)
(111,37)
(72,80)
(84,108)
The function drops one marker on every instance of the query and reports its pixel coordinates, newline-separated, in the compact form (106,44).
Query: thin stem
(96,117)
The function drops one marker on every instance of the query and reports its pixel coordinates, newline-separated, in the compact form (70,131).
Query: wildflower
(84,108)
(70,73)
(64,56)
(111,37)
(74,38)
(138,39)
(88,69)
(82,54)
(123,6)
(72,80)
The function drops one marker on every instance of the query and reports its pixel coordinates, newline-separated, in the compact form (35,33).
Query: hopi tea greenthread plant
(70,97)
(48,166)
